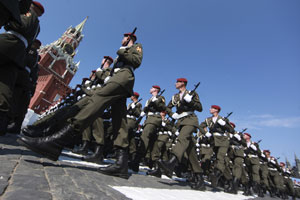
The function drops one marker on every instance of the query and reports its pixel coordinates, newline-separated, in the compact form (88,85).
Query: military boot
(3,123)
(83,149)
(120,167)
(50,146)
(215,179)
(156,172)
(135,164)
(247,191)
(14,128)
(197,182)
(96,157)
(167,167)
(235,185)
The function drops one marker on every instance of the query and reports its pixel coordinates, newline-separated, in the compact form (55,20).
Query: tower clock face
(68,49)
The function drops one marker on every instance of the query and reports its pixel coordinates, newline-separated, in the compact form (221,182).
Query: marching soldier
(13,44)
(287,180)
(152,110)
(165,131)
(97,127)
(114,94)
(134,110)
(264,172)
(22,91)
(252,152)
(186,102)
(218,126)
(236,154)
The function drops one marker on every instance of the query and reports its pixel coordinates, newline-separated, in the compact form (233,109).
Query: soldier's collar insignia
(139,49)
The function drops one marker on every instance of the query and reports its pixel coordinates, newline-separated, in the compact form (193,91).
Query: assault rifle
(195,88)
(244,130)
(228,115)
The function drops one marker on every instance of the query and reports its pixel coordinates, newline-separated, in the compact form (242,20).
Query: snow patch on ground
(137,193)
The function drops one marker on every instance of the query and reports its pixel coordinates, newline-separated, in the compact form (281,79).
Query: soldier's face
(179,85)
(246,137)
(125,39)
(106,64)
(213,110)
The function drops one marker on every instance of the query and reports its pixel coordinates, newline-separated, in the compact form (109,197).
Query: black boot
(215,179)
(83,149)
(50,146)
(156,172)
(168,167)
(33,131)
(235,185)
(96,157)
(120,167)
(14,128)
(197,182)
(135,164)
(3,123)
(247,191)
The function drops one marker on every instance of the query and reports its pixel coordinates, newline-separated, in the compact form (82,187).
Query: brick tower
(57,69)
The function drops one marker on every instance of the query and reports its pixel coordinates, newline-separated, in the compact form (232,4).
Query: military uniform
(286,173)
(187,124)
(218,139)
(276,181)
(133,112)
(22,92)
(13,44)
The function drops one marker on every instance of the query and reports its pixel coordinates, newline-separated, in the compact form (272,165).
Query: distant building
(57,69)
(297,167)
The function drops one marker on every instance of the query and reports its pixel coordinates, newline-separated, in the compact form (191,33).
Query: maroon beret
(265,151)
(232,124)
(216,107)
(156,86)
(85,79)
(39,5)
(247,134)
(282,163)
(182,80)
(93,71)
(136,94)
(109,58)
(130,34)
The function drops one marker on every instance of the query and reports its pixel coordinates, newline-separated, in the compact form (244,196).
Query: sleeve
(203,126)
(195,104)
(169,108)
(131,56)
(137,110)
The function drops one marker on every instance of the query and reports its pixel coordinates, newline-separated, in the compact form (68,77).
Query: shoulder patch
(139,49)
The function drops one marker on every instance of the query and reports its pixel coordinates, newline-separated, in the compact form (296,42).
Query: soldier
(165,131)
(236,154)
(22,91)
(274,176)
(11,9)
(287,180)
(134,110)
(97,128)
(114,94)
(13,44)
(218,126)
(252,152)
(264,172)
(152,110)
(186,102)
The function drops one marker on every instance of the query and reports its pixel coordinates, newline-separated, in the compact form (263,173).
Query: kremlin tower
(57,69)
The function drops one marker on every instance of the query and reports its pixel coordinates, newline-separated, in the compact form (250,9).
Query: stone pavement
(25,175)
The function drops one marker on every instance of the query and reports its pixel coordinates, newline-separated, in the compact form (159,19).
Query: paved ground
(25,175)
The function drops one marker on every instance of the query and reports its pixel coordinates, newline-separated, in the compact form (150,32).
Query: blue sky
(245,53)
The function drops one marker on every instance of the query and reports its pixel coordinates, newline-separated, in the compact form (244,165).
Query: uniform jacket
(156,106)
(182,106)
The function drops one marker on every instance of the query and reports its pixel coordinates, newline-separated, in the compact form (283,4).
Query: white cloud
(267,120)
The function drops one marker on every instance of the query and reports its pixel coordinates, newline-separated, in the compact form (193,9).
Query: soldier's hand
(175,116)
(208,134)
(237,136)
(252,146)
(142,114)
(154,99)
(188,98)
(132,105)
(221,122)
(106,79)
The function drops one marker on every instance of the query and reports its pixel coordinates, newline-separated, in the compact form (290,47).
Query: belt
(237,146)
(106,120)
(153,113)
(28,69)
(119,68)
(130,116)
(163,133)
(272,169)
(219,134)
(205,145)
(18,35)
(184,114)
(252,156)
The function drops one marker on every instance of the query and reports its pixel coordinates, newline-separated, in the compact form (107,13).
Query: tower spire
(80,26)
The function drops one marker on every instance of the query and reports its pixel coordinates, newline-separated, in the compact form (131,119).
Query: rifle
(196,86)
(161,92)
(138,101)
(228,115)
(130,36)
(128,40)
(244,130)
(258,141)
